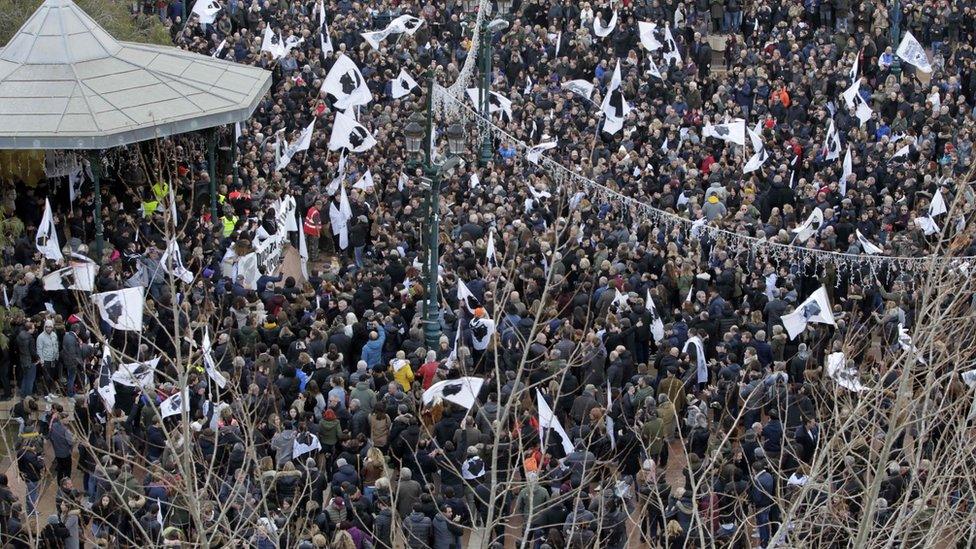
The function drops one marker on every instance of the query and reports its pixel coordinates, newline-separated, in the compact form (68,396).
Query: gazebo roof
(65,83)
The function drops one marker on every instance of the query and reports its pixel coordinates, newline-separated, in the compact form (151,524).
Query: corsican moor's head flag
(647,38)
(548,421)
(206,10)
(913,53)
(843,373)
(79,277)
(462,391)
(121,309)
(496,102)
(136,374)
(302,143)
(47,236)
(614,105)
(602,30)
(580,87)
(403,24)
(657,325)
(866,245)
(345,83)
(535,153)
(349,134)
(106,388)
(175,404)
(208,361)
(815,309)
(403,85)
(466,298)
(733,132)
(809,227)
(671,53)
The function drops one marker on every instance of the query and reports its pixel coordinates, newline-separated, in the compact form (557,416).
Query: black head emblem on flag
(763,155)
(493,101)
(176,402)
(722,129)
(140,371)
(357,137)
(404,84)
(617,103)
(479,330)
(471,302)
(475,467)
(451,389)
(811,310)
(669,46)
(653,315)
(411,24)
(114,308)
(275,38)
(350,82)
(67,278)
(41,240)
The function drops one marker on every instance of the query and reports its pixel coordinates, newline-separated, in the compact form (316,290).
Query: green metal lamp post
(95,159)
(212,172)
(894,19)
(487,30)
(421,139)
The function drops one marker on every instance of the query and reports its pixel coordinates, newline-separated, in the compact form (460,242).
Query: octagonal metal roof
(65,83)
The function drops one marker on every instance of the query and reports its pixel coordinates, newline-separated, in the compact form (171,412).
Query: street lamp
(421,138)
(894,17)
(484,45)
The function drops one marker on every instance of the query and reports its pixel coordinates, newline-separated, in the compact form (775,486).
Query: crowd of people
(321,436)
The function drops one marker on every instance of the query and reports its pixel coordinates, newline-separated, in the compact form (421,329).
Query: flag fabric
(79,277)
(848,171)
(912,52)
(206,10)
(832,143)
(855,68)
(303,252)
(846,377)
(402,181)
(466,298)
(814,309)
(614,105)
(473,467)
(580,87)
(339,217)
(47,235)
(548,421)
(619,299)
(528,86)
(657,325)
(172,262)
(652,68)
(462,391)
(701,366)
(365,182)
(302,143)
(490,248)
(602,30)
(106,388)
(496,102)
(75,181)
(938,205)
(121,309)
(403,84)
(304,443)
(208,362)
(646,31)
(535,152)
(345,83)
(326,42)
(349,134)
(404,24)
(220,48)
(272,43)
(452,359)
(905,342)
(671,53)
(609,420)
(866,245)
(756,161)
(136,374)
(809,227)
(733,132)
(175,404)
(474,181)
(855,101)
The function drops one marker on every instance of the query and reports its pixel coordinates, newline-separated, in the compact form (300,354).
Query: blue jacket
(373,349)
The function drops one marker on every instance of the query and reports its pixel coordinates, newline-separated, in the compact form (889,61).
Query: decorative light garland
(452,107)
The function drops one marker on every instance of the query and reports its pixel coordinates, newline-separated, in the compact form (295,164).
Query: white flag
(535,152)
(847,378)
(303,142)
(462,391)
(105,387)
(809,227)
(815,309)
(652,68)
(172,262)
(79,277)
(671,53)
(175,404)
(47,236)
(326,42)
(75,181)
(733,132)
(559,41)
(208,362)
(340,216)
(403,24)
(602,30)
(136,374)
(528,86)
(345,83)
(647,38)
(305,443)
(496,102)
(609,420)
(220,48)
(756,161)
(401,181)
(657,325)
(848,171)
(913,53)
(349,134)
(832,142)
(402,85)
(303,253)
(121,309)
(855,69)
(548,420)
(938,205)
(466,298)
(272,43)
(365,182)
(579,87)
(868,247)
(490,248)
(905,342)
(701,369)
(614,105)
(206,10)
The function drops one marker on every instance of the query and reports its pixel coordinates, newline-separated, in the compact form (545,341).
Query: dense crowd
(341,357)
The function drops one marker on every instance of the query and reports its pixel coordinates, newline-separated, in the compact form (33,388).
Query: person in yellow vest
(229,221)
(160,190)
